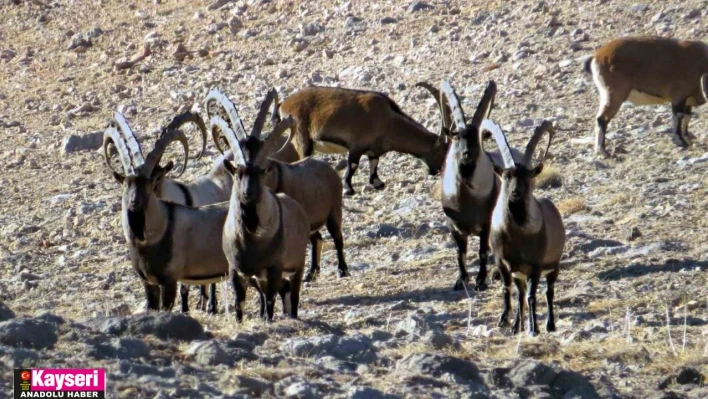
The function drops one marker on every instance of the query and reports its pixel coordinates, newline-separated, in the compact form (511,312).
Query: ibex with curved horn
(311,182)
(527,235)
(469,186)
(265,235)
(168,242)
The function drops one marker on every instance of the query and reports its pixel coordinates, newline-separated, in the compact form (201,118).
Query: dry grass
(550,177)
(572,205)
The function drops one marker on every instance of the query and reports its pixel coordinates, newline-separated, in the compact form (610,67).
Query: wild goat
(528,235)
(312,183)
(337,120)
(210,189)
(469,186)
(167,242)
(649,70)
(265,235)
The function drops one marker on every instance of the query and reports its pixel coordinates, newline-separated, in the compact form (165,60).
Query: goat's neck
(155,221)
(258,219)
(410,137)
(483,178)
(523,215)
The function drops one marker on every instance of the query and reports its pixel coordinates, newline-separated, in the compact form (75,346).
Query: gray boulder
(28,333)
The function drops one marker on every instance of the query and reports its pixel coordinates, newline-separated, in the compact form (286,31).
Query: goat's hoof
(460,284)
(343,273)
(515,329)
(679,141)
(310,277)
(211,311)
(602,153)
(496,275)
(349,192)
(550,327)
(503,322)
(378,184)
(480,286)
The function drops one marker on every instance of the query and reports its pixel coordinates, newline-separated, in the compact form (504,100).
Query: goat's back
(316,186)
(555,231)
(660,67)
(296,234)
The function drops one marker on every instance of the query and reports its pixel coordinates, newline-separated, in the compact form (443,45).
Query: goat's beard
(136,221)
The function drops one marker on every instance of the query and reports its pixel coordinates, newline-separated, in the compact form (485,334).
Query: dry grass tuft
(550,177)
(572,205)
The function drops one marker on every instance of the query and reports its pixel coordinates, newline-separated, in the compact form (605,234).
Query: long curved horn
(187,117)
(219,123)
(111,136)
(167,137)
(260,119)
(484,109)
(458,115)
(445,118)
(704,86)
(228,106)
(500,138)
(545,126)
(275,116)
(131,141)
(271,141)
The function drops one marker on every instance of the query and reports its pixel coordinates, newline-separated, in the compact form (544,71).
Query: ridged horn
(136,153)
(445,118)
(484,109)
(218,123)
(500,138)
(187,117)
(456,112)
(235,122)
(260,119)
(271,141)
(545,126)
(112,137)
(166,137)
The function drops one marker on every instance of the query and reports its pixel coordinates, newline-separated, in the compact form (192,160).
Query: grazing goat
(312,183)
(469,186)
(527,235)
(649,70)
(265,236)
(337,120)
(168,242)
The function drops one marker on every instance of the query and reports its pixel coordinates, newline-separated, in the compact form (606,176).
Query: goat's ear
(119,178)
(160,172)
(498,170)
(537,170)
(230,168)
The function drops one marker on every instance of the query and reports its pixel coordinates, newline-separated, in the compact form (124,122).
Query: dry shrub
(572,205)
(550,177)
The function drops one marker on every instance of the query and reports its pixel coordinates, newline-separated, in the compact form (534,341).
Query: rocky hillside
(631,300)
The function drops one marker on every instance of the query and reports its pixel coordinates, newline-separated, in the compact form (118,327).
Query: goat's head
(518,178)
(141,175)
(250,152)
(464,139)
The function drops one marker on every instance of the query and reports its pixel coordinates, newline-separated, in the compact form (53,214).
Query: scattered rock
(441,366)
(531,372)
(418,6)
(689,375)
(74,142)
(5,312)
(438,339)
(388,20)
(355,348)
(209,353)
(28,333)
(217,4)
(163,325)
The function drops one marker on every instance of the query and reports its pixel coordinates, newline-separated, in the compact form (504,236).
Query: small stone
(5,312)
(689,375)
(75,142)
(209,353)
(235,25)
(565,63)
(434,29)
(694,13)
(217,4)
(418,6)
(281,74)
(531,372)
(639,7)
(329,54)
(634,233)
(388,20)
(438,339)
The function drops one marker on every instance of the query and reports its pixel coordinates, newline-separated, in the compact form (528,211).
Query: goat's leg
(374,173)
(152,296)
(294,292)
(687,135)
(531,299)
(521,301)
(202,303)
(168,294)
(681,118)
(239,294)
(284,293)
(610,103)
(506,292)
(461,240)
(352,165)
(550,291)
(273,280)
(481,280)
(184,298)
(316,250)
(212,304)
(334,227)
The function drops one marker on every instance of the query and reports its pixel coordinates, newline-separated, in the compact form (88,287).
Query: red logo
(25,375)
